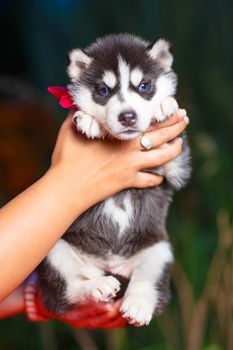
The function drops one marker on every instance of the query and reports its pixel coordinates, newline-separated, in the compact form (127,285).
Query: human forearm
(31,224)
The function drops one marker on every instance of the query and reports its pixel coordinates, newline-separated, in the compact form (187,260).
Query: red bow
(63,95)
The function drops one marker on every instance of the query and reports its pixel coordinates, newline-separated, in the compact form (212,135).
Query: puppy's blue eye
(104,91)
(143,87)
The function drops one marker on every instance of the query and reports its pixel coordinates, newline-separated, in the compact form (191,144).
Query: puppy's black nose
(127,118)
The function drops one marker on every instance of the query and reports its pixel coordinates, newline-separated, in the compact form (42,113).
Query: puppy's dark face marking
(122,73)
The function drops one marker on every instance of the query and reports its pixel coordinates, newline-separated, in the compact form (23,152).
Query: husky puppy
(122,85)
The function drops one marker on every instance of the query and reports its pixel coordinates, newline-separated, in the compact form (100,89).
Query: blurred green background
(35,38)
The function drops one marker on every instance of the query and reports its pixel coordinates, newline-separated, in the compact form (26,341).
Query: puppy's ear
(78,62)
(159,51)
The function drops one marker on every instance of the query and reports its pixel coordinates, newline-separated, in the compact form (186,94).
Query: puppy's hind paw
(137,310)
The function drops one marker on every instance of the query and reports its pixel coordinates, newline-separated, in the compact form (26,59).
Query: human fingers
(159,156)
(168,133)
(110,319)
(146,179)
(89,317)
(175,118)
(84,312)
(118,322)
(95,317)
(102,321)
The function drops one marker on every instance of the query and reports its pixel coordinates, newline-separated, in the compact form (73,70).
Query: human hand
(100,168)
(88,315)
(92,315)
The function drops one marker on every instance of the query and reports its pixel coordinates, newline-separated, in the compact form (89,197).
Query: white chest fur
(119,216)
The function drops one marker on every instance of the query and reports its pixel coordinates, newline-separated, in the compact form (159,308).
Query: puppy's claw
(137,310)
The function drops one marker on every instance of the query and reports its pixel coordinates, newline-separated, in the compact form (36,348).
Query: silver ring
(146,143)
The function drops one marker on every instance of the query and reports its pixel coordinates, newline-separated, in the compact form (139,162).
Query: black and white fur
(124,237)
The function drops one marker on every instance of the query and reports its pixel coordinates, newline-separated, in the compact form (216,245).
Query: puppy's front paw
(166,108)
(137,310)
(87,125)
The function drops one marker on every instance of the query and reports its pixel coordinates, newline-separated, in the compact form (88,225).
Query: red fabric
(34,307)
(63,95)
(36,311)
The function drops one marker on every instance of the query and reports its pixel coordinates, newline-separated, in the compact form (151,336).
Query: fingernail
(182,113)
(186,120)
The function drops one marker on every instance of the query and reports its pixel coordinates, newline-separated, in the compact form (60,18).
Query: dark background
(35,38)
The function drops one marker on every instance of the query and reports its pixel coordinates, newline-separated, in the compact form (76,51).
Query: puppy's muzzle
(127,118)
